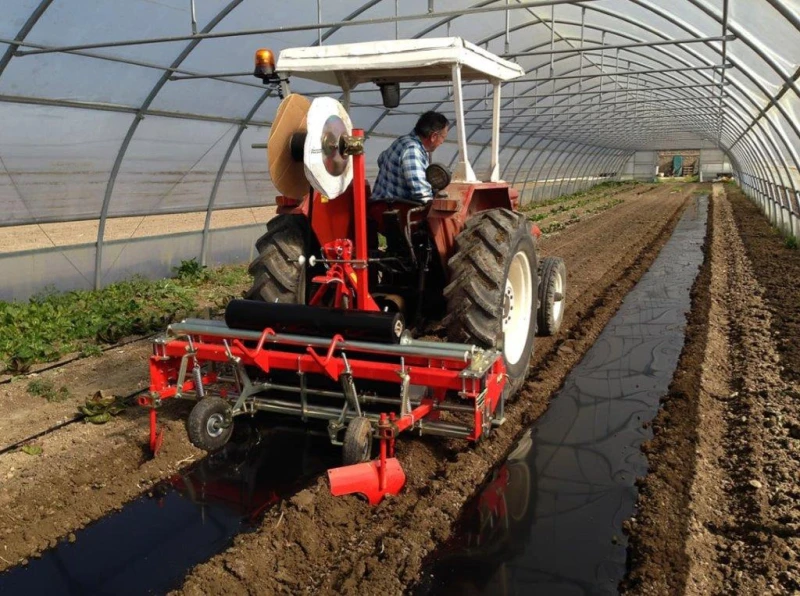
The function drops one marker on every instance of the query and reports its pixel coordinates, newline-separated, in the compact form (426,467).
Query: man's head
(432,130)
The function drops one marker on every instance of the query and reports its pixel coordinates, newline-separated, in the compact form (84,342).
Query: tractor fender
(448,215)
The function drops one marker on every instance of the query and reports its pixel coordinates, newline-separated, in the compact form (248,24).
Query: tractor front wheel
(493,289)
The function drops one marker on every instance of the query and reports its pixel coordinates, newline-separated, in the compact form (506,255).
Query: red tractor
(341,279)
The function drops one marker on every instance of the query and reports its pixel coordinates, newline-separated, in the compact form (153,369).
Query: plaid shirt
(402,171)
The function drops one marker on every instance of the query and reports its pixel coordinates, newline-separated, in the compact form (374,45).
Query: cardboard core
(287,174)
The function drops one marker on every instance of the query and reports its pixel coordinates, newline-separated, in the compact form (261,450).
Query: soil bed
(318,543)
(313,542)
(718,510)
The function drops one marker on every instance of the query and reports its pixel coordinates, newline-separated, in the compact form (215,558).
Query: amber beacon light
(264,65)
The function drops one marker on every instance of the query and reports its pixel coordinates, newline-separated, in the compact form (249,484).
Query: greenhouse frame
(147,108)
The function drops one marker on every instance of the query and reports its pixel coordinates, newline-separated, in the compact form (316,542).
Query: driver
(401,173)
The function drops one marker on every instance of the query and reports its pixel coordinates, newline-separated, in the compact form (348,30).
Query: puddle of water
(550,519)
(151,543)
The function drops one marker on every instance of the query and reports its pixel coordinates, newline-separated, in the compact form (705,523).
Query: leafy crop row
(53,324)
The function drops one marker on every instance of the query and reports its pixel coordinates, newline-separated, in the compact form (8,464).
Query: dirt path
(718,511)
(317,543)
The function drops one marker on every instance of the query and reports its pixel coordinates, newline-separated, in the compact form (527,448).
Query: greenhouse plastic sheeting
(129,108)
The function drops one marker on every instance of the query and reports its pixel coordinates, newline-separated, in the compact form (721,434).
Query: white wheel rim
(558,305)
(517,303)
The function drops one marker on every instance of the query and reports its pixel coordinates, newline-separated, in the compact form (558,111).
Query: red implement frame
(374,479)
(476,376)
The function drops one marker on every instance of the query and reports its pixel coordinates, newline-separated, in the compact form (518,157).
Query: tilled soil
(313,541)
(317,543)
(718,510)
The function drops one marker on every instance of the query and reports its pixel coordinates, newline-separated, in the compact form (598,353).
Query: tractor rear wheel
(493,289)
(276,272)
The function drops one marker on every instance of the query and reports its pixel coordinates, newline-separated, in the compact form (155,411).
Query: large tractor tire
(276,272)
(493,289)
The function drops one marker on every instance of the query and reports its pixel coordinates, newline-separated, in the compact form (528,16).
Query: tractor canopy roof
(401,60)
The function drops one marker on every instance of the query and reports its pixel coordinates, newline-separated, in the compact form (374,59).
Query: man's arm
(414,163)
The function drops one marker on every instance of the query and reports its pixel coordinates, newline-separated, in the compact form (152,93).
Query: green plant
(47,390)
(32,449)
(790,242)
(99,409)
(91,350)
(190,270)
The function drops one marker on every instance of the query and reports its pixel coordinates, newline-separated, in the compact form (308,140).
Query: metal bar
(110,107)
(319,22)
(724,57)
(592,109)
(294,28)
(140,63)
(622,46)
(13,45)
(210,76)
(559,94)
(199,327)
(507,44)
(194,17)
(98,256)
(631,72)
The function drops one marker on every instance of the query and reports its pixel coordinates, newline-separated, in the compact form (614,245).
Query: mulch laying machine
(338,349)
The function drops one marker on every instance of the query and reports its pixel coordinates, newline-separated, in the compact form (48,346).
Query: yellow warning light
(264,64)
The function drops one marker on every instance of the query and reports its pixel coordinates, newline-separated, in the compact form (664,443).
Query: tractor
(351,295)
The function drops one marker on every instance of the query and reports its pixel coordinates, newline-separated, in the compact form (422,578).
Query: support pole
(360,212)
(494,174)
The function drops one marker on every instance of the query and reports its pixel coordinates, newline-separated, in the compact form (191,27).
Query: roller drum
(316,321)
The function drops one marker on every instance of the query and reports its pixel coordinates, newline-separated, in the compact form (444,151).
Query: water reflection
(550,519)
(149,545)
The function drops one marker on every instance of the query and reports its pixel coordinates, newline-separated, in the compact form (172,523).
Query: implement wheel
(276,272)
(494,287)
(357,447)
(552,292)
(209,425)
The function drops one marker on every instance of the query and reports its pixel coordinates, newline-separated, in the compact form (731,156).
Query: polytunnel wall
(143,108)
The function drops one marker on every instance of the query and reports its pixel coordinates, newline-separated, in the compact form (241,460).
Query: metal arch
(745,93)
(582,167)
(563,38)
(221,171)
(566,168)
(536,159)
(549,24)
(522,162)
(132,130)
(760,133)
(746,39)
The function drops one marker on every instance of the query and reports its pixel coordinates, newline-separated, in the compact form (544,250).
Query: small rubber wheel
(357,447)
(209,425)
(552,293)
